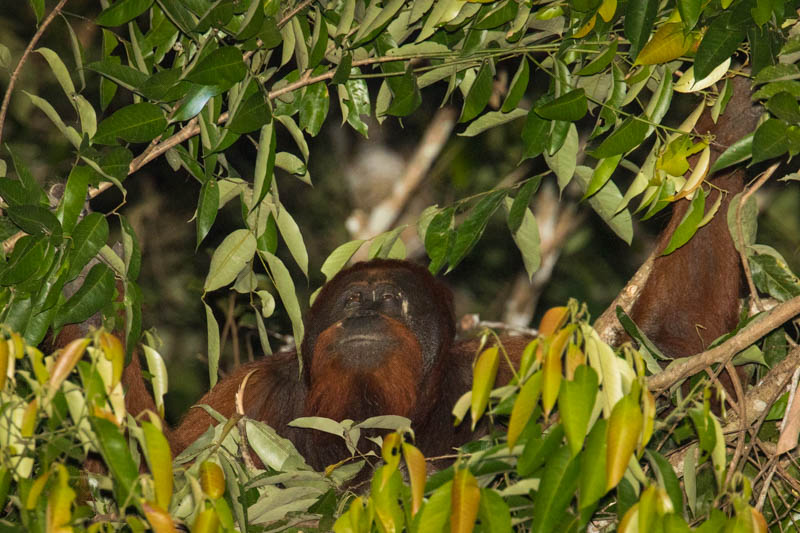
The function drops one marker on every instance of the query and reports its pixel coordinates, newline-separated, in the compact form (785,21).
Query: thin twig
(740,245)
(741,404)
(15,75)
(301,6)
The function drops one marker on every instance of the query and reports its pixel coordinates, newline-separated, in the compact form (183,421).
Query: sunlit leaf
(483,380)
(465,498)
(624,428)
(159,459)
(230,257)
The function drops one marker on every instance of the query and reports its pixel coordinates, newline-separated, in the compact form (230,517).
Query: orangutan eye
(353,298)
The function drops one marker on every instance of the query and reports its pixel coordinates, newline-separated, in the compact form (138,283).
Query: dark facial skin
(369,311)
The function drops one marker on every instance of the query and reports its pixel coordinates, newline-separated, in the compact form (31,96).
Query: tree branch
(687,366)
(14,75)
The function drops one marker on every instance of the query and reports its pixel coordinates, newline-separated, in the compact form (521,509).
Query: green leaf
(314,108)
(59,70)
(89,236)
(96,291)
(498,16)
(528,241)
(776,73)
(371,26)
(438,239)
(599,63)
(667,479)
(468,233)
(534,135)
(734,154)
(519,83)
(339,257)
(25,260)
(207,207)
(117,456)
(576,400)
(690,12)
(212,334)
(292,237)
(564,161)
(128,77)
(34,220)
(774,277)
(592,482)
(72,203)
(479,93)
(67,131)
(602,173)
(639,19)
(135,123)
(521,202)
(605,203)
(215,15)
(285,285)
(14,193)
(165,86)
(637,334)
(719,43)
(556,489)
(784,106)
(490,120)
(539,451)
(252,23)
(689,224)
(493,511)
(625,138)
(230,257)
(406,96)
(558,136)
(769,140)
(571,106)
(38,9)
(122,11)
(342,73)
(194,101)
(221,69)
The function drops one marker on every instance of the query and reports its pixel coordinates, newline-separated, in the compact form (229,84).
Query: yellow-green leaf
(207,521)
(159,519)
(114,352)
(483,378)
(36,491)
(607,10)
(212,480)
(649,412)
(529,355)
(648,508)
(464,501)
(668,43)
(552,375)
(624,428)
(64,364)
(29,418)
(523,407)
(699,173)
(417,473)
(159,459)
(391,455)
(552,320)
(4,355)
(59,503)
